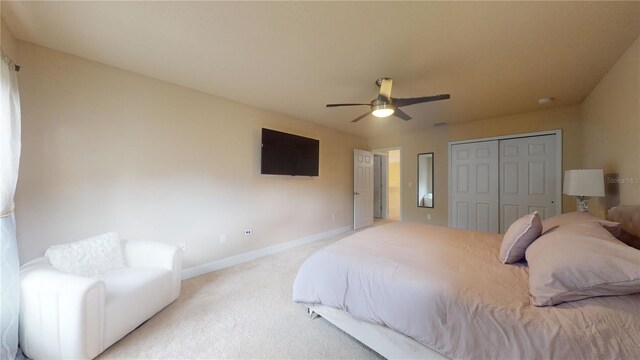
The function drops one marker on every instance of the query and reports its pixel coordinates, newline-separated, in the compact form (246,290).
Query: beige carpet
(244,312)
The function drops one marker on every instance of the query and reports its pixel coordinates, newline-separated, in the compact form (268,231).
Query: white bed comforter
(447,289)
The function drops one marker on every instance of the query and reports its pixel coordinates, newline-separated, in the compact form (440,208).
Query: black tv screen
(287,154)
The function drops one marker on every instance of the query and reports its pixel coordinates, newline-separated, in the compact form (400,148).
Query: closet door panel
(474,186)
(462,215)
(483,217)
(509,214)
(527,178)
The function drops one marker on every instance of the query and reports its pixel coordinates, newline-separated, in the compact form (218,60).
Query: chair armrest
(153,254)
(61,315)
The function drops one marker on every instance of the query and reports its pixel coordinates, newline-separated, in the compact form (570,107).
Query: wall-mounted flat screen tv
(287,154)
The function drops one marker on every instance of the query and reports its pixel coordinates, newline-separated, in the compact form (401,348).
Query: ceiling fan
(385,105)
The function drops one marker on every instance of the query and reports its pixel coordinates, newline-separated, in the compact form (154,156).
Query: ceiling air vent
(441,123)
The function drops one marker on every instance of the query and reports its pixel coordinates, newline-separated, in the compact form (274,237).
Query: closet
(494,182)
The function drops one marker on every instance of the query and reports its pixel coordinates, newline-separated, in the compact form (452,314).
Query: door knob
(356,193)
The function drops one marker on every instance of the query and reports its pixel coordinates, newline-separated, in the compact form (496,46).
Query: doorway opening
(387,197)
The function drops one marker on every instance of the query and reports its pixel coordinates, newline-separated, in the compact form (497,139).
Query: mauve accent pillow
(571,218)
(580,261)
(626,237)
(519,236)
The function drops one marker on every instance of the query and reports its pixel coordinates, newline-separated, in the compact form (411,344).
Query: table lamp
(583,184)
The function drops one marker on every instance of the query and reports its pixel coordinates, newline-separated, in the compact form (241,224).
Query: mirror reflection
(425,180)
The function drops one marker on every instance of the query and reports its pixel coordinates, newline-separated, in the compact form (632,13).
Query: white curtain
(9,160)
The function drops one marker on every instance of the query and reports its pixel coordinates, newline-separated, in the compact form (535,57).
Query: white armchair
(74,317)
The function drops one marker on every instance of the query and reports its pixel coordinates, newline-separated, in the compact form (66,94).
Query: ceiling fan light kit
(382,110)
(385,105)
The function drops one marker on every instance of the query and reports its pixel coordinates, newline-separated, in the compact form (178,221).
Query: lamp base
(582,203)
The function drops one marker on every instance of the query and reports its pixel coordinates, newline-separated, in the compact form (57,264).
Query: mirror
(425,180)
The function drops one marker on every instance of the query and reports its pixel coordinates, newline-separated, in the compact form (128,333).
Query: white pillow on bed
(519,236)
(555,222)
(91,257)
(579,261)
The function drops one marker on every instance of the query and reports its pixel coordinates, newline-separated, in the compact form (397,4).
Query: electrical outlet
(333,217)
(223,238)
(247,231)
(183,246)
(428,217)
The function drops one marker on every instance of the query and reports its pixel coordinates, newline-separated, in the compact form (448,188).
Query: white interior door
(527,178)
(474,186)
(362,188)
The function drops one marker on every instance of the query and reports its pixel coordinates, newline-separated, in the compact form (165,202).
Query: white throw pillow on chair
(91,257)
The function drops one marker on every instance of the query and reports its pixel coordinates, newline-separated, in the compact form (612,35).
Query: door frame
(559,174)
(385,151)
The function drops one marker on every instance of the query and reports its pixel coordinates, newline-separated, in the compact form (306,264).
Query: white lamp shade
(584,182)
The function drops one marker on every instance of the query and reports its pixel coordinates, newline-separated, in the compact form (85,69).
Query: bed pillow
(519,236)
(91,257)
(626,237)
(580,261)
(555,222)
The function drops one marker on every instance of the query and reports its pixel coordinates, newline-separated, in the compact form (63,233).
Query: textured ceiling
(494,58)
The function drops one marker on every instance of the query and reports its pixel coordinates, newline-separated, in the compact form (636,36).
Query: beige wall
(106,149)
(611,129)
(8,43)
(436,140)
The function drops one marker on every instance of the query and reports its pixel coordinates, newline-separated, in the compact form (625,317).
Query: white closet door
(527,178)
(474,193)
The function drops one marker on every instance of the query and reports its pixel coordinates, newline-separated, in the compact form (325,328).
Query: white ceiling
(494,58)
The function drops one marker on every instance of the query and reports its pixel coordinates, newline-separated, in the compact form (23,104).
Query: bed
(418,291)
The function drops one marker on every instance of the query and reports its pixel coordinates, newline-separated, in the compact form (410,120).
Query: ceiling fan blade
(385,90)
(418,100)
(401,114)
(336,105)
(360,117)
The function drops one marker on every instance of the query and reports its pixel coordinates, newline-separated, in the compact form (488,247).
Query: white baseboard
(252,255)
